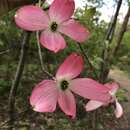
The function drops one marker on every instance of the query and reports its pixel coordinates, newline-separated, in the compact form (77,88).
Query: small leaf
(128,3)
(1,43)
(89,13)
(23,128)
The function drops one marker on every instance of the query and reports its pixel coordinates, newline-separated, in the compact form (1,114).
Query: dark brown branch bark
(18,75)
(112,27)
(106,50)
(16,81)
(122,32)
(7,5)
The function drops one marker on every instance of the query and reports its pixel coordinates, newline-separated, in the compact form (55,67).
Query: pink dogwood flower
(46,94)
(53,23)
(94,104)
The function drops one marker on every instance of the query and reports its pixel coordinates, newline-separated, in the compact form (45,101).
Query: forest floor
(124,80)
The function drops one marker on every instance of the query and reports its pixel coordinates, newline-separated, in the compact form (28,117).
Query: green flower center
(54,26)
(64,85)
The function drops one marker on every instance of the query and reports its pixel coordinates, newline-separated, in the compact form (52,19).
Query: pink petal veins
(118,110)
(67,103)
(93,104)
(31,18)
(61,10)
(74,30)
(71,67)
(91,89)
(52,41)
(44,96)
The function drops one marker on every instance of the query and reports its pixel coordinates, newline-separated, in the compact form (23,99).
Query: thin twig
(18,116)
(17,79)
(40,2)
(87,58)
(40,51)
(5,51)
(40,57)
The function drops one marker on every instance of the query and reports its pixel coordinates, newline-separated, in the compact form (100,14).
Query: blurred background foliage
(10,40)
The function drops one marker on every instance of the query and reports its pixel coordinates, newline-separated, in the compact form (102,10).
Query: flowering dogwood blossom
(52,23)
(94,104)
(46,94)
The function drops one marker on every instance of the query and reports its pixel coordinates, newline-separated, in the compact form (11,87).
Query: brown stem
(18,75)
(40,57)
(16,81)
(40,51)
(89,62)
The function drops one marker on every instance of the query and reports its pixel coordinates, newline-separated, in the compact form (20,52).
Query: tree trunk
(122,32)
(7,5)
(116,49)
(106,50)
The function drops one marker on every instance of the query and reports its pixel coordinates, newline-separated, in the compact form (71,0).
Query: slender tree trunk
(112,27)
(108,39)
(7,5)
(122,32)
(113,54)
(16,81)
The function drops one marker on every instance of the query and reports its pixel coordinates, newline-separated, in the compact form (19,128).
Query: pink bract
(48,93)
(53,23)
(94,104)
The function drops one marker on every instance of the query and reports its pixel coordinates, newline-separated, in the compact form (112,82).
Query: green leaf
(128,3)
(23,128)
(1,43)
(89,13)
